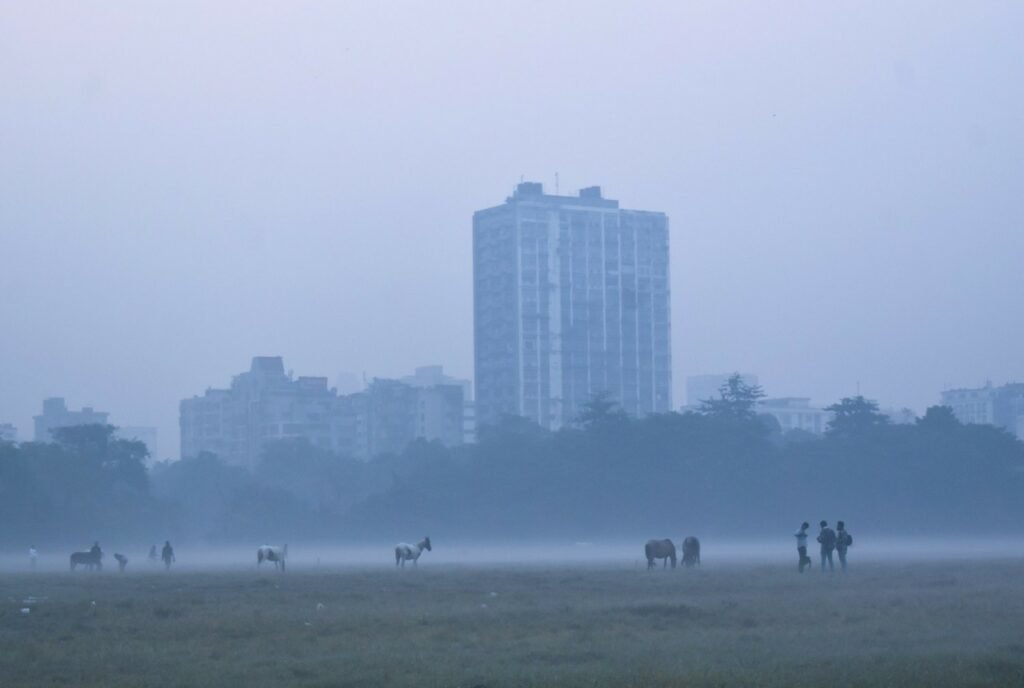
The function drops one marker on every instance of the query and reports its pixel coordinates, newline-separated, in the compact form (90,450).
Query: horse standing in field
(405,552)
(122,561)
(274,554)
(691,552)
(660,549)
(93,559)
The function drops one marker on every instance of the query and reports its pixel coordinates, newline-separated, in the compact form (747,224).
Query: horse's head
(426,543)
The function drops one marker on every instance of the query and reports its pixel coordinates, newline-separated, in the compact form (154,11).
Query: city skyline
(842,218)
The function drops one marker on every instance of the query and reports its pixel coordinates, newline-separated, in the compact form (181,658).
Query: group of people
(166,554)
(838,541)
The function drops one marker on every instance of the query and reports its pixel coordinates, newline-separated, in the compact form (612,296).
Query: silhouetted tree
(736,399)
(855,417)
(601,410)
(938,418)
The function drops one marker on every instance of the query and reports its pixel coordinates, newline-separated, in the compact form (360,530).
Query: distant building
(1001,406)
(571,298)
(57,415)
(796,413)
(434,376)
(146,435)
(390,414)
(262,405)
(266,404)
(8,433)
(702,387)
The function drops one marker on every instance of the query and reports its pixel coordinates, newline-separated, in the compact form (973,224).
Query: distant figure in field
(660,549)
(152,554)
(691,552)
(843,542)
(405,552)
(122,561)
(801,546)
(271,553)
(827,538)
(167,555)
(93,558)
(33,556)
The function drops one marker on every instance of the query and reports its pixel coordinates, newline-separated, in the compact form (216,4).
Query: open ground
(950,623)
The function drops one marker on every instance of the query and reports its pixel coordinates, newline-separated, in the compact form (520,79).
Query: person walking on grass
(827,538)
(801,546)
(167,555)
(843,542)
(33,556)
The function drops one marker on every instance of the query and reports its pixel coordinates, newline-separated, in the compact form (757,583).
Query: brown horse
(691,552)
(660,549)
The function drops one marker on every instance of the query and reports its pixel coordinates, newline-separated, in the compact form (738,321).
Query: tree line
(721,471)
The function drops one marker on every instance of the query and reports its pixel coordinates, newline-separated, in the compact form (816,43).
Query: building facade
(266,404)
(56,414)
(434,376)
(571,298)
(262,405)
(796,413)
(1001,406)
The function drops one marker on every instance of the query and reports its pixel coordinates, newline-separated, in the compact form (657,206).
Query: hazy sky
(186,185)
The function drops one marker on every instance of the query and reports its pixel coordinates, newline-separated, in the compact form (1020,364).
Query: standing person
(33,555)
(843,542)
(167,555)
(827,538)
(801,545)
(152,554)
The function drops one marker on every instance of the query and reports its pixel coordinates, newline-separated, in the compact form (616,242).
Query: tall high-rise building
(571,298)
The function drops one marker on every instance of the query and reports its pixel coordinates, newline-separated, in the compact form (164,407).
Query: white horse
(405,552)
(274,554)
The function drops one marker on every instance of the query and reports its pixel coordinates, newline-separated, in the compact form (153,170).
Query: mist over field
(487,345)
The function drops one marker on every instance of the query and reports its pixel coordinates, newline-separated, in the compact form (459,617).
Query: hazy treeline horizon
(722,472)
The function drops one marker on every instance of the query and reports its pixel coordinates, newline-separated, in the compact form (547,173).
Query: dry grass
(922,625)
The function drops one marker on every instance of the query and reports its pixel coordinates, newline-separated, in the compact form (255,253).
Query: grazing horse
(274,554)
(691,552)
(660,549)
(122,561)
(93,559)
(405,552)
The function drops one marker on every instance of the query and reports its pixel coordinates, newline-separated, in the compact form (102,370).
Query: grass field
(926,624)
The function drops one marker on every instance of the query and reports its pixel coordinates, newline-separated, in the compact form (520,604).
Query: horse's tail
(71,563)
(398,555)
(259,556)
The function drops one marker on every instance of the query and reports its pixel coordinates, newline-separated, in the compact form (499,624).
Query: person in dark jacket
(827,538)
(843,542)
(167,555)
